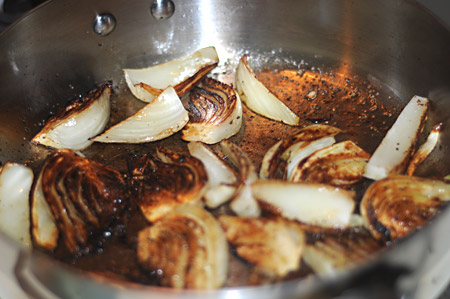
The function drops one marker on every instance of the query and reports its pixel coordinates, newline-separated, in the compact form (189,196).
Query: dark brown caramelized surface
(347,102)
(84,196)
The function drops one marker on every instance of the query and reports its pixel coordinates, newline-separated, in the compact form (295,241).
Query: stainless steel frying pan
(64,47)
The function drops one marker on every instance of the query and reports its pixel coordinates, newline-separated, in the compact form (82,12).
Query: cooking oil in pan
(317,96)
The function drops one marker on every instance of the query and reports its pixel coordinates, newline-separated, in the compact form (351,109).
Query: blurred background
(10,10)
(440,8)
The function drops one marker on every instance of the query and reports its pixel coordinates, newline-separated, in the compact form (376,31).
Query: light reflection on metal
(207,23)
(162,9)
(104,24)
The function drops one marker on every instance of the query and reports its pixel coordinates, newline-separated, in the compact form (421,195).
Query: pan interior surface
(362,60)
